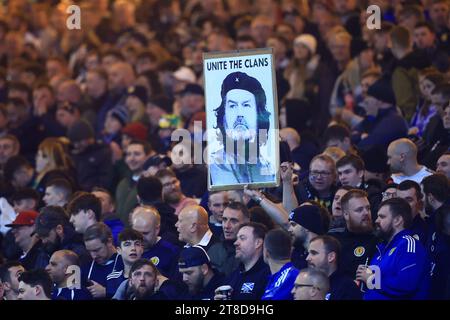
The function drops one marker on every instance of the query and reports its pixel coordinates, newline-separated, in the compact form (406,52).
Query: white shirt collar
(206,238)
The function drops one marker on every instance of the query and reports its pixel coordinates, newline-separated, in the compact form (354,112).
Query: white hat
(307,40)
(185,74)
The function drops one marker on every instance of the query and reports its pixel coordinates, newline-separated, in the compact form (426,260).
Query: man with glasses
(318,186)
(171,191)
(390,191)
(311,284)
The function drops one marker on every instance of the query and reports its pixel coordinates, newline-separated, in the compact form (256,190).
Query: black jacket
(343,287)
(207,292)
(305,191)
(72,241)
(94,167)
(356,249)
(29,262)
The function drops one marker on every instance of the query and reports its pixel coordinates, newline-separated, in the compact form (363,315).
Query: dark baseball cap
(192,257)
(156,160)
(49,218)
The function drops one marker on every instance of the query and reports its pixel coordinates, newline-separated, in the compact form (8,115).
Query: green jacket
(126,199)
(405,81)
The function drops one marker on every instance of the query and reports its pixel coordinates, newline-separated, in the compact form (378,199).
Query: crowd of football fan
(94,203)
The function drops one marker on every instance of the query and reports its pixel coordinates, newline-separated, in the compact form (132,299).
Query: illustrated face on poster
(242,121)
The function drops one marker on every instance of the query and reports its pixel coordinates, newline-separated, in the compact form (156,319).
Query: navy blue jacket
(419,229)
(164,256)
(207,293)
(99,272)
(71,294)
(174,290)
(404,270)
(72,241)
(251,284)
(440,267)
(386,127)
(94,167)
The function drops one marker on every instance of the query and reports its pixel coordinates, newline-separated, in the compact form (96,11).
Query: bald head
(291,136)
(147,221)
(405,146)
(196,214)
(402,153)
(311,284)
(58,264)
(145,214)
(70,257)
(192,224)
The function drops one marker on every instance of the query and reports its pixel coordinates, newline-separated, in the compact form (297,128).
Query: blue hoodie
(404,269)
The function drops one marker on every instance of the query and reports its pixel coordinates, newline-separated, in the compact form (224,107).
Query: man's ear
(430,198)
(313,292)
(403,157)
(204,268)
(60,195)
(398,221)
(361,173)
(345,214)
(119,250)
(37,290)
(91,214)
(331,256)
(259,243)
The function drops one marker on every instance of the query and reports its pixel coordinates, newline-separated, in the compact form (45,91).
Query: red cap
(136,130)
(24,218)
